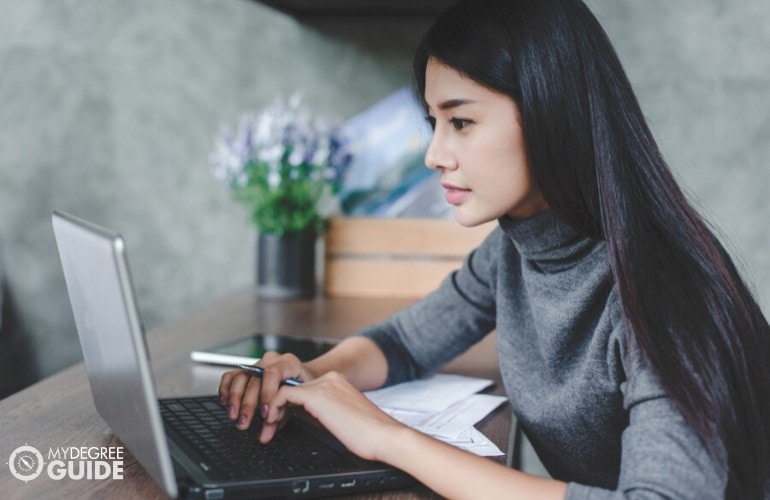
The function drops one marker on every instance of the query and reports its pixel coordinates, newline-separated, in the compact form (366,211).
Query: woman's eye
(460,123)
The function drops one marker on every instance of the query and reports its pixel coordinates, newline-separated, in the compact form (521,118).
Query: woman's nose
(438,156)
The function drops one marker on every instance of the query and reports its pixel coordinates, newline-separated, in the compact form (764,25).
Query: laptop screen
(98,281)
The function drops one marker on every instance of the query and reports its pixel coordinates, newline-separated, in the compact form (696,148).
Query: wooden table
(58,411)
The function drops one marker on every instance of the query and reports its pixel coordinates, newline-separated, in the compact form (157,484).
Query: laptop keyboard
(231,454)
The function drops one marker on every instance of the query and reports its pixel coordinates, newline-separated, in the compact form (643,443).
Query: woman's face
(478,147)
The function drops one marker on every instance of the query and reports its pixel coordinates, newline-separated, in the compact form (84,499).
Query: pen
(258,370)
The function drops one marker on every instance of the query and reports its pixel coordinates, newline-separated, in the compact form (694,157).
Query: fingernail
(242,421)
(263,412)
(231,413)
(222,400)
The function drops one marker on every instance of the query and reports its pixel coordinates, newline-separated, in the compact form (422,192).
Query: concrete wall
(108,109)
(702,73)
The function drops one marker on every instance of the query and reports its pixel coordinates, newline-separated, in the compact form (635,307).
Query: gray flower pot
(286,265)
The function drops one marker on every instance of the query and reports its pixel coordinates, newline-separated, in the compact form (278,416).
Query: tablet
(249,350)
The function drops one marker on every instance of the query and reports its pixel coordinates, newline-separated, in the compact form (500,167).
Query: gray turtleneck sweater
(589,405)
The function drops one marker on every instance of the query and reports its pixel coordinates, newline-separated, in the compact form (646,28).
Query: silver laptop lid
(96,271)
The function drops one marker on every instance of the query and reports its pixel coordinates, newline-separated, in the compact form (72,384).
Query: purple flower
(280,147)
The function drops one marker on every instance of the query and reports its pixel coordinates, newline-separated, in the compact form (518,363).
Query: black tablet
(249,350)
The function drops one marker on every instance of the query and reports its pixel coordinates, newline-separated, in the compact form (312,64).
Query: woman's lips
(454,194)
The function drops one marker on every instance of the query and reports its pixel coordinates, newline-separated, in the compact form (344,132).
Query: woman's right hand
(243,394)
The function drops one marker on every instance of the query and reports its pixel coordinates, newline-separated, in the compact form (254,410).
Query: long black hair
(599,168)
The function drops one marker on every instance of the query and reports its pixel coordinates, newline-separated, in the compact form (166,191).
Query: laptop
(187,445)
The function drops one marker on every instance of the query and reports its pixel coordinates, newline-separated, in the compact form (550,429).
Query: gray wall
(108,109)
(702,73)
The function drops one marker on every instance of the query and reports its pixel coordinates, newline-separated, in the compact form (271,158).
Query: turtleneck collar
(545,237)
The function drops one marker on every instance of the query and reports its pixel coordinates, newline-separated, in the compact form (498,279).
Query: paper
(476,442)
(443,406)
(452,422)
(432,394)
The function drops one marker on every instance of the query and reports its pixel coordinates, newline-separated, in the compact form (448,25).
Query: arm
(454,473)
(370,433)
(358,359)
(422,338)
(408,345)
(662,458)
(662,455)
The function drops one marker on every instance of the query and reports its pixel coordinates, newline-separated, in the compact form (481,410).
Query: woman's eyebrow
(454,103)
(451,103)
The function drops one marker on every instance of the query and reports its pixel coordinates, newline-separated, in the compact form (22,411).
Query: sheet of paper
(452,422)
(416,419)
(476,442)
(469,439)
(445,407)
(428,395)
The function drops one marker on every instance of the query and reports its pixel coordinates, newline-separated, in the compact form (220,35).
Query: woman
(633,354)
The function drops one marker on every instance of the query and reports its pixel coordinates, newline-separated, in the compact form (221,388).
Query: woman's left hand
(342,409)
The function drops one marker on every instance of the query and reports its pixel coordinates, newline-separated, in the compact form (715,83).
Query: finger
(224,385)
(249,403)
(284,367)
(272,422)
(267,433)
(277,407)
(235,394)
(269,358)
(244,390)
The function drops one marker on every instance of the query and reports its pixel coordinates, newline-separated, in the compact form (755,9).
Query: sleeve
(422,338)
(662,456)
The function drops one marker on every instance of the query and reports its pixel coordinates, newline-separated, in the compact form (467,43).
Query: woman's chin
(467,218)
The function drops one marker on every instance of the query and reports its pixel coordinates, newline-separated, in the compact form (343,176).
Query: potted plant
(286,167)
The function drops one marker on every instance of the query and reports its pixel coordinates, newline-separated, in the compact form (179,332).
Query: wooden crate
(377,257)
